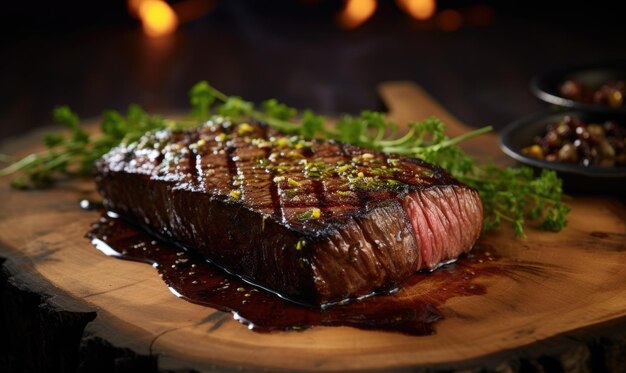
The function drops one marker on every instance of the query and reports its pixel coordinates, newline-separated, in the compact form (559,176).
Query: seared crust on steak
(315,221)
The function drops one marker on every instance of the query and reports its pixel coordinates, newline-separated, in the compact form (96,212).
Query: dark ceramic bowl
(576,178)
(547,86)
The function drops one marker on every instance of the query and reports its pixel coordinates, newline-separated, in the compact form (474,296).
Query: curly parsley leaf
(513,195)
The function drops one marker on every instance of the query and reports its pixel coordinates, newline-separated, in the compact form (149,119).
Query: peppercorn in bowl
(586,149)
(599,87)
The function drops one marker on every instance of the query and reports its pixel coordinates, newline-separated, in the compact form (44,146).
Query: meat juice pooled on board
(413,309)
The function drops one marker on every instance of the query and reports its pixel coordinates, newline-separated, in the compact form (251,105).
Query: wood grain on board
(551,285)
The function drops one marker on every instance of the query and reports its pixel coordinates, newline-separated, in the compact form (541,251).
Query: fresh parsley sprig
(72,153)
(513,195)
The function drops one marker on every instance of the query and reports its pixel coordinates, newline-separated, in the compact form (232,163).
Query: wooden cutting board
(556,287)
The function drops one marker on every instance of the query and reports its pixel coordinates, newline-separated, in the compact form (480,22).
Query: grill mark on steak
(362,198)
(193,147)
(274,191)
(320,193)
(318,184)
(159,158)
(275,194)
(193,164)
(213,166)
(231,164)
(381,221)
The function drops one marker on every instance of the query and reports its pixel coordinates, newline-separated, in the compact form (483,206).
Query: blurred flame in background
(449,20)
(355,13)
(158,18)
(418,9)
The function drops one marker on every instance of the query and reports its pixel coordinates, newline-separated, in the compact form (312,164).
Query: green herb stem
(513,195)
(396,143)
(20,164)
(465,136)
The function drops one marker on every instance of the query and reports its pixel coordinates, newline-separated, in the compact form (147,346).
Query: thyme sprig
(512,195)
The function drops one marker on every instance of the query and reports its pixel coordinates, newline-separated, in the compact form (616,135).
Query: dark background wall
(92,55)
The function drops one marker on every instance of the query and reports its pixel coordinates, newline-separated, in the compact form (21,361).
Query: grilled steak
(314,221)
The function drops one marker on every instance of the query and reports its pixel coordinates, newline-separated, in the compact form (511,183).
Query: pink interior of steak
(420,230)
(446,221)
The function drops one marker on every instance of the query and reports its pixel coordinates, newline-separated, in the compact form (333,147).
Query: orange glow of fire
(133,7)
(355,13)
(157,17)
(190,10)
(449,20)
(418,9)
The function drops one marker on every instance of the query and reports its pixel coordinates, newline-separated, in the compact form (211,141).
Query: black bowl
(576,178)
(547,86)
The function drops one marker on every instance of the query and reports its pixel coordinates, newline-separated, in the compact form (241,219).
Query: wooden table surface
(548,290)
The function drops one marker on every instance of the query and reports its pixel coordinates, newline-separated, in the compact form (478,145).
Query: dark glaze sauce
(412,309)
